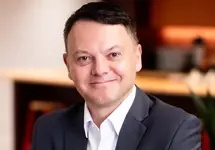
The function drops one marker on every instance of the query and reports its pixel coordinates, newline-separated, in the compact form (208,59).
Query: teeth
(105,77)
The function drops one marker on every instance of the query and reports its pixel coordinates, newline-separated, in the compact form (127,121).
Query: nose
(100,66)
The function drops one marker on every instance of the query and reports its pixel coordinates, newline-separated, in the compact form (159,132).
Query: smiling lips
(101,82)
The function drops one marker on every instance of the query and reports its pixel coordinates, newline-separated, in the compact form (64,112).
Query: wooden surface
(149,81)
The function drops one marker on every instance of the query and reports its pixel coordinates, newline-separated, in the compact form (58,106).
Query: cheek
(121,69)
(79,74)
(126,68)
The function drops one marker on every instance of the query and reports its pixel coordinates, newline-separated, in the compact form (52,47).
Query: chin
(102,100)
(100,95)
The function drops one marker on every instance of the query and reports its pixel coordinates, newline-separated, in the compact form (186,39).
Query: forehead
(90,34)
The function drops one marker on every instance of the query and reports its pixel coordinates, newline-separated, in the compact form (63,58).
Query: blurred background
(31,31)
(176,36)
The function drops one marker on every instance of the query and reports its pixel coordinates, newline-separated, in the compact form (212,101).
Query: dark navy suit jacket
(149,125)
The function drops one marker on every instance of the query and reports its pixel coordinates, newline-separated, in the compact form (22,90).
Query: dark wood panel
(25,93)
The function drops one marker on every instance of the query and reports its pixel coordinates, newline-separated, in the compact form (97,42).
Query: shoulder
(167,111)
(57,118)
(170,126)
(162,109)
(51,127)
(170,117)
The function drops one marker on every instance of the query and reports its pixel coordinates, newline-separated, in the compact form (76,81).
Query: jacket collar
(134,127)
(131,133)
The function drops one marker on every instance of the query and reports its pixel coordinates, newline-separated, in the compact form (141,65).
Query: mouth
(102,82)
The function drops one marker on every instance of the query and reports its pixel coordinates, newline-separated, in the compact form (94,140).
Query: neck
(99,113)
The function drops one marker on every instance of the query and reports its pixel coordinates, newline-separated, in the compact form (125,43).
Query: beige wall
(30,37)
(6,114)
(31,32)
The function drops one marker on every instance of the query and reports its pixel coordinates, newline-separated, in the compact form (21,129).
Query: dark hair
(101,12)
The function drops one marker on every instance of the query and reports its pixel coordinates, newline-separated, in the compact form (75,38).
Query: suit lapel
(133,128)
(132,131)
(74,136)
(130,135)
(75,141)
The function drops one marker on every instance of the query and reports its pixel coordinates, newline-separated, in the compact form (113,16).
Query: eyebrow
(80,51)
(105,51)
(112,47)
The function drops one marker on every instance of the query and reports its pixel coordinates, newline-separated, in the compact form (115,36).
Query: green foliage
(206,110)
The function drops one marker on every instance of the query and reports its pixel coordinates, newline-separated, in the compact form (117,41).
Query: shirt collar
(87,119)
(117,117)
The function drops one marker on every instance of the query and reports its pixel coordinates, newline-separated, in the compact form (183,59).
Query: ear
(66,62)
(138,58)
(65,59)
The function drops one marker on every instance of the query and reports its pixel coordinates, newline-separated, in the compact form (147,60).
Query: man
(102,57)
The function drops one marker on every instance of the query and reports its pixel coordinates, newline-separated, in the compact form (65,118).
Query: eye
(114,55)
(84,60)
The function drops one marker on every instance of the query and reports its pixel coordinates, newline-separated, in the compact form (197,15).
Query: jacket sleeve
(41,139)
(188,135)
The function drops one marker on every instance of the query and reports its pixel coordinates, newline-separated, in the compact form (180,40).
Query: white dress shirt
(105,137)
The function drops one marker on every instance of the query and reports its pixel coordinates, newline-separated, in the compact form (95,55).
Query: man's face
(102,61)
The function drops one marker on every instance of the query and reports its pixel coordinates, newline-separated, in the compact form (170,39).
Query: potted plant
(205,105)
